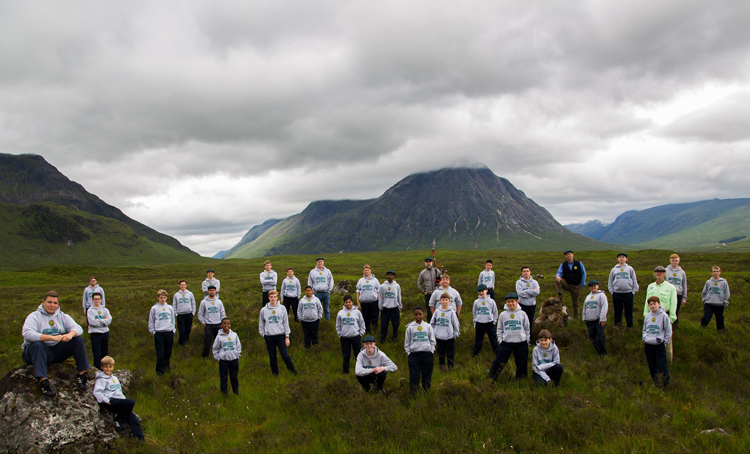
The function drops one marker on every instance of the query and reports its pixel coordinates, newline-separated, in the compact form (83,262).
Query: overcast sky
(204,118)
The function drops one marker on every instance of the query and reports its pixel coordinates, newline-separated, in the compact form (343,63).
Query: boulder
(70,421)
(342,288)
(553,311)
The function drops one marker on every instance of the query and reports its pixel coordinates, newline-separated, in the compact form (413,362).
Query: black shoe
(81,381)
(46,388)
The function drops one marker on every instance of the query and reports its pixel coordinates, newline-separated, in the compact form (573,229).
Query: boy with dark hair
(98,318)
(161,324)
(268,279)
(657,330)
(623,285)
(89,291)
(676,276)
(372,366)
(514,334)
(210,314)
(368,291)
(273,325)
(595,315)
(527,289)
(309,313)
(715,297)
(485,318)
(487,278)
(108,392)
(227,349)
(445,325)
(389,303)
(545,360)
(183,303)
(350,326)
(210,281)
(321,280)
(419,343)
(291,291)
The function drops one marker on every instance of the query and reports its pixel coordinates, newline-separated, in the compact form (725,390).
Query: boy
(514,334)
(290,293)
(183,303)
(321,280)
(445,286)
(309,312)
(389,303)
(485,317)
(487,278)
(667,298)
(210,281)
(445,325)
(108,392)
(657,330)
(89,291)
(350,326)
(273,325)
(368,290)
(623,285)
(715,297)
(372,366)
(419,343)
(675,275)
(268,279)
(210,314)
(545,360)
(595,315)
(227,349)
(527,289)
(98,318)
(161,323)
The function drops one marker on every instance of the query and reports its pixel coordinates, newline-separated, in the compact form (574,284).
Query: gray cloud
(727,120)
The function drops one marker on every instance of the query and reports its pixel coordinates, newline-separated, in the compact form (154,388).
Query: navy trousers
(554,372)
(420,366)
(656,357)
(481,329)
(349,344)
(123,409)
(40,354)
(310,329)
(392,316)
(274,342)
(229,369)
(163,342)
(597,335)
(708,311)
(184,326)
(623,301)
(372,379)
(99,347)
(520,352)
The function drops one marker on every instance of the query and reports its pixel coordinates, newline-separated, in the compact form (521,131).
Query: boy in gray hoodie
(419,344)
(161,323)
(268,280)
(372,366)
(676,276)
(309,313)
(183,303)
(657,330)
(545,360)
(527,289)
(108,392)
(715,297)
(88,291)
(350,326)
(210,314)
(595,315)
(485,317)
(273,325)
(389,303)
(514,334)
(623,285)
(445,325)
(98,318)
(368,292)
(227,349)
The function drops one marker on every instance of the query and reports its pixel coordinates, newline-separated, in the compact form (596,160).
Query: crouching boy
(514,334)
(545,360)
(108,392)
(372,366)
(227,349)
(657,330)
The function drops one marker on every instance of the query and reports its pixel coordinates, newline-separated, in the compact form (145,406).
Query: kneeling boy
(372,366)
(545,360)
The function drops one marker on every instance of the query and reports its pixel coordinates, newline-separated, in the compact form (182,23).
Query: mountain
(458,208)
(219,255)
(704,225)
(48,219)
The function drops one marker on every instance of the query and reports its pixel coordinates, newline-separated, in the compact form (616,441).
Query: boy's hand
(286,341)
(204,325)
(603,323)
(66,337)
(378,370)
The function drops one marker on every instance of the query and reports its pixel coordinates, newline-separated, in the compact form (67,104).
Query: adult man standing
(51,336)
(667,296)
(570,276)
(321,281)
(427,282)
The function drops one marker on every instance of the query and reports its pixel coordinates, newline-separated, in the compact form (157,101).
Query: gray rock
(70,421)
(718,431)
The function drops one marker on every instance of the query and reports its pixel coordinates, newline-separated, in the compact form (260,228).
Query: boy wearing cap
(715,298)
(623,285)
(389,303)
(161,324)
(210,314)
(368,289)
(419,344)
(227,349)
(570,277)
(428,281)
(445,325)
(514,334)
(309,312)
(321,281)
(372,366)
(183,303)
(487,277)
(657,331)
(268,280)
(273,325)
(445,287)
(545,360)
(350,326)
(291,290)
(527,289)
(595,315)
(667,295)
(210,280)
(485,317)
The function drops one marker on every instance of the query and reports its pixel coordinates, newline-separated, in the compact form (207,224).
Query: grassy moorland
(603,405)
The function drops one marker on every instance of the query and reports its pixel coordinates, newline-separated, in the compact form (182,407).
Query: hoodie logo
(545,355)
(100,312)
(512,316)
(716,283)
(367,282)
(320,274)
(51,323)
(483,303)
(348,314)
(443,314)
(674,274)
(369,362)
(419,328)
(212,303)
(273,312)
(389,288)
(653,319)
(229,338)
(163,309)
(528,284)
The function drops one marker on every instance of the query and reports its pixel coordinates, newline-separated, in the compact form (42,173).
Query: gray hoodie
(211,311)
(227,347)
(487,278)
(543,359)
(99,319)
(320,280)
(87,292)
(716,292)
(390,295)
(290,288)
(657,328)
(513,326)
(622,280)
(419,337)
(349,322)
(107,387)
(161,319)
(40,322)
(309,309)
(368,289)
(455,297)
(595,307)
(484,311)
(207,282)
(184,302)
(678,278)
(268,280)
(273,321)
(444,324)
(527,291)
(365,364)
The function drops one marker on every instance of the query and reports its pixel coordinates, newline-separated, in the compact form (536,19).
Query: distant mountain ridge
(458,208)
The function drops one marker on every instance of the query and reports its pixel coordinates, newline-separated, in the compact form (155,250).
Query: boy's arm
(104,298)
(604,309)
(520,291)
(433,341)
(261,324)
(636,287)
(611,280)
(726,293)
(151,321)
(667,332)
(201,311)
(216,349)
(310,280)
(684,285)
(381,297)
(223,311)
(527,328)
(535,289)
(83,301)
(192,302)
(456,326)
(330,281)
(389,365)
(359,368)
(338,324)
(320,309)
(407,340)
(239,344)
(99,386)
(90,318)
(398,297)
(275,279)
(459,303)
(704,293)
(500,329)
(361,321)
(174,320)
(479,281)
(285,322)
(106,321)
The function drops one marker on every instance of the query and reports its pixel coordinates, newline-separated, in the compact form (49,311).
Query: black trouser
(123,408)
(349,344)
(210,331)
(597,335)
(491,293)
(389,315)
(427,311)
(372,379)
(40,354)
(482,328)
(529,311)
(184,326)
(291,303)
(420,364)
(264,299)
(555,373)
(623,301)
(229,368)
(656,357)
(680,299)
(163,344)
(520,352)
(272,343)
(447,348)
(708,311)
(311,332)
(99,347)
(370,313)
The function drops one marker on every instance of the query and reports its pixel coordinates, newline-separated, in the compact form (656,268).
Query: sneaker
(81,381)
(46,388)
